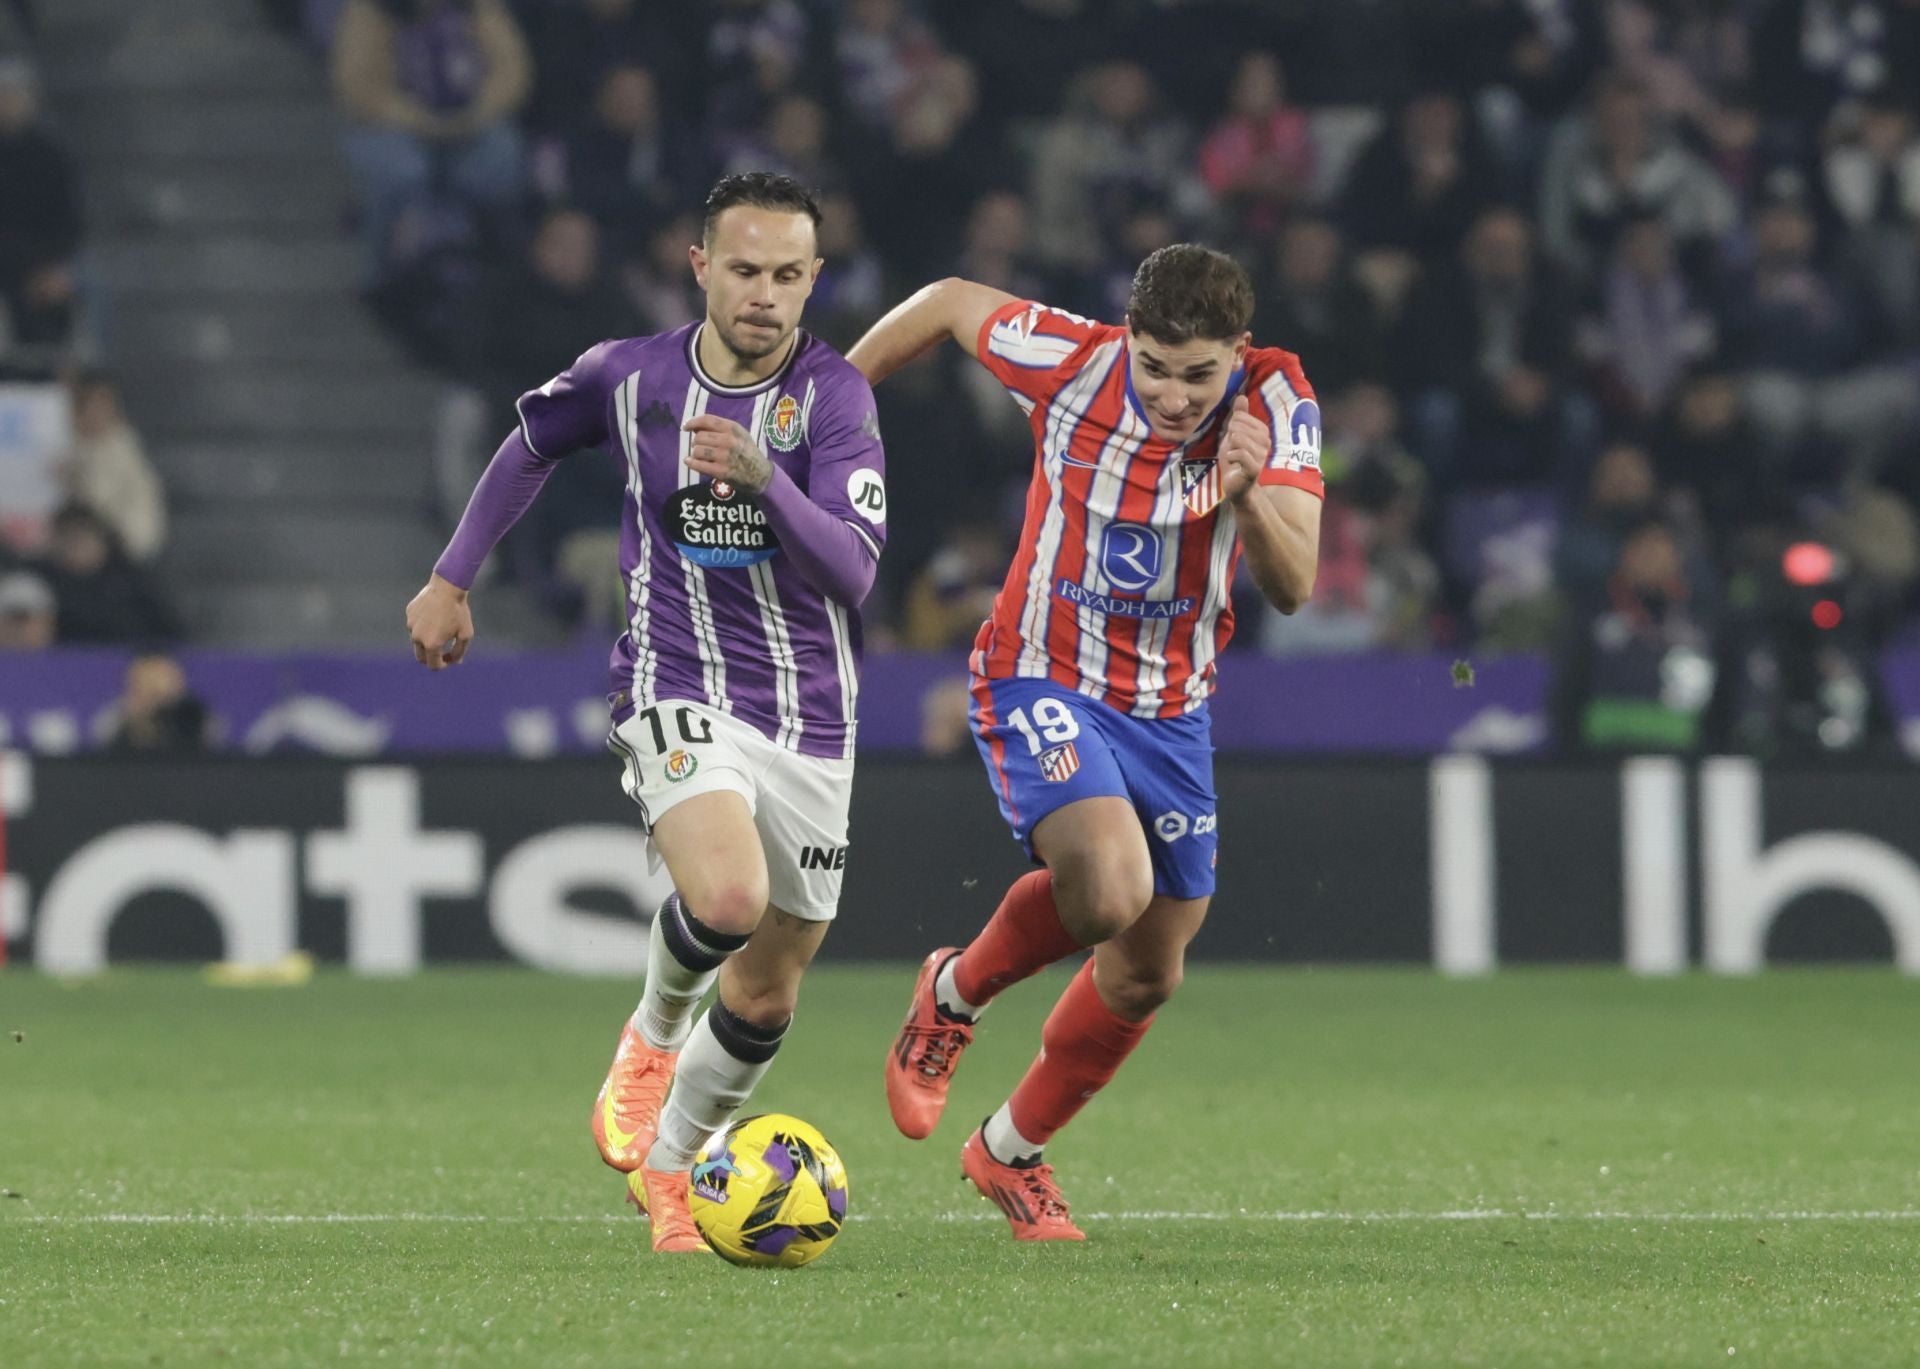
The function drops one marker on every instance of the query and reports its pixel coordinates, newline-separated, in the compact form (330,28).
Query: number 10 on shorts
(694,730)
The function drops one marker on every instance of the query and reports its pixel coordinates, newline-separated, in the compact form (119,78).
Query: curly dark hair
(1187,291)
(761,190)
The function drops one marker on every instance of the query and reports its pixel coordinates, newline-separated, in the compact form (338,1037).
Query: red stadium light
(1827,615)
(1808,563)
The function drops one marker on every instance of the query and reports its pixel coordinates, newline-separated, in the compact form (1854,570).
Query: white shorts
(676,749)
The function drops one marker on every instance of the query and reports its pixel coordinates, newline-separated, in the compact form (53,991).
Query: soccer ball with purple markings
(769,1191)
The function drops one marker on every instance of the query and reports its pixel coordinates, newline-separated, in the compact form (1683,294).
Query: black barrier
(1458,862)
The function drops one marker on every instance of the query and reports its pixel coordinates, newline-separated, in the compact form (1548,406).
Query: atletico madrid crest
(784,425)
(1201,484)
(1060,763)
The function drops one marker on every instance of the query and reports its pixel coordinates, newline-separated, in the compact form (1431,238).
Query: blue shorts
(1047,746)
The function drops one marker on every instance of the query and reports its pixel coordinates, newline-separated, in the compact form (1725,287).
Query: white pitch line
(1325,1217)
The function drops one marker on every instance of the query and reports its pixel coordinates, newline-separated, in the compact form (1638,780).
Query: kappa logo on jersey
(867,492)
(1201,485)
(1303,427)
(657,415)
(1059,764)
(714,529)
(681,765)
(785,424)
(1130,556)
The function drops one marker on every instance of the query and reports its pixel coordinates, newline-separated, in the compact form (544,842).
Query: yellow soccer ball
(769,1191)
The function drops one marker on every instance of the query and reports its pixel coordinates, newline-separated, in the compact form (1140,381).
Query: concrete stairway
(294,437)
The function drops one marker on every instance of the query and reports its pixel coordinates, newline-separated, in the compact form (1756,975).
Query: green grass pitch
(1333,1167)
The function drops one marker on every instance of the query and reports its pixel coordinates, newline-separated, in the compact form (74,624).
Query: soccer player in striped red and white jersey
(1165,448)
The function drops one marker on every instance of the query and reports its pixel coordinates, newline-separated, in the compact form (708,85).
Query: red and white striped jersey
(1122,586)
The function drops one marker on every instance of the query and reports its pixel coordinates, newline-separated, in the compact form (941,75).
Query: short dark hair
(760,190)
(1187,291)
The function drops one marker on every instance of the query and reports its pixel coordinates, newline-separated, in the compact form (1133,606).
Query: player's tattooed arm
(950,308)
(723,450)
(1279,525)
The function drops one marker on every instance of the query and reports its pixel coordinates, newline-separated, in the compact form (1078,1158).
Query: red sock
(1081,1048)
(1023,937)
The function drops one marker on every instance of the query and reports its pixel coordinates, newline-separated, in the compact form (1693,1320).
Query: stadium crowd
(1608,302)
(82,512)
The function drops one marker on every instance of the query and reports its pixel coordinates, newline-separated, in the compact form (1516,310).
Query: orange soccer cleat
(920,1066)
(660,1195)
(1026,1193)
(626,1115)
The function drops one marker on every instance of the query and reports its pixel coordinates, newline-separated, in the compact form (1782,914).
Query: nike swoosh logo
(1066,460)
(619,1139)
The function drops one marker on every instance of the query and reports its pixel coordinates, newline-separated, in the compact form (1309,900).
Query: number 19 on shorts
(1052,723)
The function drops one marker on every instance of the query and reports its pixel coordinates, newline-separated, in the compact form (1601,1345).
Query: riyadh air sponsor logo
(1082,597)
(1130,556)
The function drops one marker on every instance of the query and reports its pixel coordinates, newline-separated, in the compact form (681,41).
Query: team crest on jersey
(1059,764)
(681,765)
(1201,485)
(785,424)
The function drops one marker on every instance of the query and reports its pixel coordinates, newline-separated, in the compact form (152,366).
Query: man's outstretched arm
(950,308)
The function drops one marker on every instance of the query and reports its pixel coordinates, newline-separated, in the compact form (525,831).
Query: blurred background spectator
(157,712)
(104,598)
(107,472)
(27,612)
(1637,666)
(40,221)
(430,88)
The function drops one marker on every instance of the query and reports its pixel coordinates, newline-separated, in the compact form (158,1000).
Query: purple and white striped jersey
(716,613)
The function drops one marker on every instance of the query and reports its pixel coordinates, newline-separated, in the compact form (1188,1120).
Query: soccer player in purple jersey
(754,517)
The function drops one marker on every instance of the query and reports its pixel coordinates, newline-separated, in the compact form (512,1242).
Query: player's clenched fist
(1244,449)
(723,450)
(441,624)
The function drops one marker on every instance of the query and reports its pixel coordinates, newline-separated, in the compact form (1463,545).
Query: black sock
(743,1040)
(691,942)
